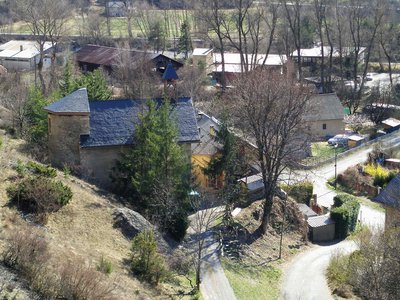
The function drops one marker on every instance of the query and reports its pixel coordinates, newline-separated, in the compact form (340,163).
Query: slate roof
(113,122)
(208,145)
(76,102)
(320,221)
(325,107)
(390,195)
(170,73)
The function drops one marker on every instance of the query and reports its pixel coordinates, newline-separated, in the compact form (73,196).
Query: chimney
(21,48)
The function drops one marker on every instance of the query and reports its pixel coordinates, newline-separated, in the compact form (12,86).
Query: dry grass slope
(83,228)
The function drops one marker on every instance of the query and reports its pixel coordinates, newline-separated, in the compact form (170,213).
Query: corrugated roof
(201,51)
(110,56)
(320,221)
(325,107)
(29,49)
(113,122)
(390,195)
(76,102)
(234,59)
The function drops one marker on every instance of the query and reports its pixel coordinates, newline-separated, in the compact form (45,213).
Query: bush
(39,195)
(27,252)
(345,214)
(104,266)
(146,262)
(302,192)
(381,175)
(80,282)
(177,226)
(41,170)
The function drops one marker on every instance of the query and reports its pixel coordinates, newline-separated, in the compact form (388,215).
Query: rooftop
(111,56)
(392,122)
(21,49)
(201,51)
(76,102)
(113,122)
(390,195)
(325,107)
(233,61)
(320,221)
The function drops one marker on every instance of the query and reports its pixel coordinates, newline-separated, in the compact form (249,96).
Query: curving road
(305,276)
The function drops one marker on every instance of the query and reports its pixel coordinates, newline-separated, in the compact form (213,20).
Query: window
(324,126)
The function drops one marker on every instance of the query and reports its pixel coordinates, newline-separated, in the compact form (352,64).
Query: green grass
(252,283)
(321,151)
(75,26)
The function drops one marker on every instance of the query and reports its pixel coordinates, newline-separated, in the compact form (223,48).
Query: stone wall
(64,138)
(97,162)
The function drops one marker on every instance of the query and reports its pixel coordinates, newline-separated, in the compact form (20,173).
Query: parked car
(340,139)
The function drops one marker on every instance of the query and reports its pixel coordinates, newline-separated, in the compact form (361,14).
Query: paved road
(305,277)
(214,284)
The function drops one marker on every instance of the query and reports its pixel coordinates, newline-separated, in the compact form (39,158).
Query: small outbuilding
(355,140)
(321,228)
(391,124)
(23,55)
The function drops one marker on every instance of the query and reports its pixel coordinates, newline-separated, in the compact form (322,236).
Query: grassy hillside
(83,228)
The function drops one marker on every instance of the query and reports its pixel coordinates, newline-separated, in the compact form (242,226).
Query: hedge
(302,192)
(345,214)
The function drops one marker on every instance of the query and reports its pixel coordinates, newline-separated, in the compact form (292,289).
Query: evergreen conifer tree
(185,40)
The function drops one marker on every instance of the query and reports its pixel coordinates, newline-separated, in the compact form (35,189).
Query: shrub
(27,252)
(177,226)
(302,192)
(80,282)
(41,170)
(39,195)
(345,214)
(104,266)
(146,262)
(381,175)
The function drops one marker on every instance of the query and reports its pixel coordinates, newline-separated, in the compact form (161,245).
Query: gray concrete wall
(64,137)
(323,233)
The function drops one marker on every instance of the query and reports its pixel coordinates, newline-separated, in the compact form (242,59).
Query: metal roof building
(22,55)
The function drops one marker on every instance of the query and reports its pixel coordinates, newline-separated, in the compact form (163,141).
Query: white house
(22,55)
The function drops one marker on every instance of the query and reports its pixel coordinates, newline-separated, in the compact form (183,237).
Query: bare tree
(270,108)
(364,20)
(292,12)
(46,20)
(212,15)
(13,95)
(387,32)
(134,72)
